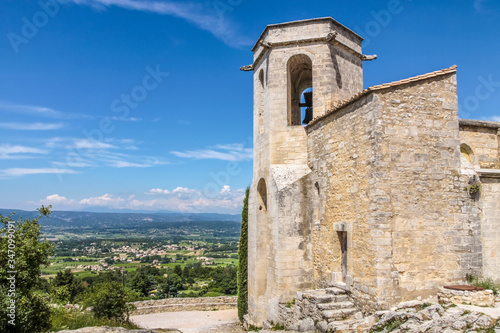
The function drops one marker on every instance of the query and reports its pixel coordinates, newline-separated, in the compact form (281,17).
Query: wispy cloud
(24,171)
(197,14)
(112,152)
(88,144)
(71,155)
(39,111)
(9,152)
(229,152)
(31,126)
(132,119)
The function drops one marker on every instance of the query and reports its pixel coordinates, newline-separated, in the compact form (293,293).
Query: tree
(109,300)
(141,282)
(21,256)
(66,286)
(178,270)
(243,261)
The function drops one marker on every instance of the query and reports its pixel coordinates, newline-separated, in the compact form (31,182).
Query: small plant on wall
(474,187)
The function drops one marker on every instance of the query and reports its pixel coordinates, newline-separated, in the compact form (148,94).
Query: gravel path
(192,321)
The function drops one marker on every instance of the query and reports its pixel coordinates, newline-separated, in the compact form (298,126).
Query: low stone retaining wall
(185,304)
(477,298)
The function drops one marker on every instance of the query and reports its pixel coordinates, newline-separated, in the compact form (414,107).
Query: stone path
(222,321)
(493,312)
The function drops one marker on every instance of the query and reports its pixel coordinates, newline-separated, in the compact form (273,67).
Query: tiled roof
(356,97)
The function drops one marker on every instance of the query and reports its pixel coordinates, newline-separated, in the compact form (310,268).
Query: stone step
(344,325)
(336,305)
(341,298)
(335,291)
(339,285)
(336,315)
(317,296)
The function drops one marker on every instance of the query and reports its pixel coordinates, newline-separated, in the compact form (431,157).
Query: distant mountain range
(122,219)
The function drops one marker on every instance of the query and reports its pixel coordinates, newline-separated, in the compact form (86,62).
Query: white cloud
(9,152)
(25,171)
(229,152)
(184,193)
(106,200)
(31,126)
(157,191)
(181,199)
(57,202)
(87,144)
(133,119)
(225,189)
(204,17)
(125,164)
(111,152)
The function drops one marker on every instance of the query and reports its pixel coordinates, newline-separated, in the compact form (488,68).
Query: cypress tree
(243,261)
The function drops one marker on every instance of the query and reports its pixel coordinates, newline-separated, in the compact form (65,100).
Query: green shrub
(486,283)
(22,251)
(64,319)
(109,300)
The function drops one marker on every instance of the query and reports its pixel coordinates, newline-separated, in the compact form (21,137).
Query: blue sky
(129,104)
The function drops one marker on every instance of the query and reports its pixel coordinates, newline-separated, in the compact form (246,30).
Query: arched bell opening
(306,106)
(300,95)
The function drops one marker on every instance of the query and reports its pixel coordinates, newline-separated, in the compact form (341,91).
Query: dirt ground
(223,321)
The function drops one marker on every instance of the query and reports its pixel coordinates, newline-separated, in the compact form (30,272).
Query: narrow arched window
(300,94)
(467,152)
(261,101)
(262,190)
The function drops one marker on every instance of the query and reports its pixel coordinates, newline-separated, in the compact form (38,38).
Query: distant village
(129,254)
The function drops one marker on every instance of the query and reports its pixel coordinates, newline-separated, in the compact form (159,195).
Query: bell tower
(301,70)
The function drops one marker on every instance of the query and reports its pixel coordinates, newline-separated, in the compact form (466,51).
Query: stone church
(383,192)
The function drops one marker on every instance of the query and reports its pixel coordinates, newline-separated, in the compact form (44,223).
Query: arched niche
(467,152)
(262,191)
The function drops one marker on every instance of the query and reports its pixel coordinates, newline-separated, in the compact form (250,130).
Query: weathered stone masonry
(369,196)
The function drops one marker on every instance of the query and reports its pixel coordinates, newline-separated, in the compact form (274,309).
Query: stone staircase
(330,309)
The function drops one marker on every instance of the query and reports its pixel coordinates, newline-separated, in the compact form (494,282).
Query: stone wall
(490,199)
(483,141)
(477,298)
(388,167)
(340,154)
(185,304)
(435,225)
